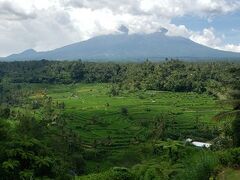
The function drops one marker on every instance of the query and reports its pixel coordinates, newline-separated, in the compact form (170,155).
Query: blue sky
(48,24)
(227,25)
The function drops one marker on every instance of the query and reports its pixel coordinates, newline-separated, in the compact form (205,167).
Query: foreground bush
(117,173)
(230,157)
(200,167)
(155,170)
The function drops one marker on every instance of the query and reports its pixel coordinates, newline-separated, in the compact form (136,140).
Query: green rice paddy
(96,116)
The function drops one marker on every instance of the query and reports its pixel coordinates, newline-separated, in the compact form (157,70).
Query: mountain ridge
(152,46)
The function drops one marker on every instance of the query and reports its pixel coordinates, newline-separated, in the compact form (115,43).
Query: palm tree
(235,112)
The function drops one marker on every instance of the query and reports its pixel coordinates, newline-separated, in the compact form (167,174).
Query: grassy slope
(93,119)
(229,174)
(89,116)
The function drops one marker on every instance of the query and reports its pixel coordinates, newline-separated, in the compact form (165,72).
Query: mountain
(25,55)
(128,47)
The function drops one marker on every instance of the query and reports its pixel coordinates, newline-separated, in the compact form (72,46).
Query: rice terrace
(96,116)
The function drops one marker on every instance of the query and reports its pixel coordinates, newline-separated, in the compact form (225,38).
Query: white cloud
(48,24)
(206,37)
(231,47)
(163,8)
(10,11)
(180,30)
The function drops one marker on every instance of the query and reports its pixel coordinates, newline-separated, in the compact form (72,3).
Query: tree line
(170,75)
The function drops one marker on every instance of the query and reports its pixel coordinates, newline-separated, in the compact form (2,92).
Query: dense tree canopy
(171,75)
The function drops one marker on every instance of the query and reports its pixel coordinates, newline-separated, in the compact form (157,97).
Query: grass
(94,115)
(229,174)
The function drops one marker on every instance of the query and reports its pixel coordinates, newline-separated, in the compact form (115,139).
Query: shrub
(141,96)
(78,163)
(5,112)
(4,131)
(124,111)
(230,157)
(155,170)
(222,142)
(126,158)
(36,104)
(117,173)
(147,109)
(114,91)
(201,166)
(120,173)
(144,122)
